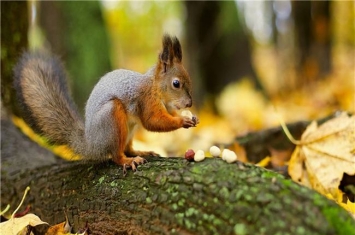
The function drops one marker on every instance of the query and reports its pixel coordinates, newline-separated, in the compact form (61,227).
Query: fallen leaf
(324,154)
(16,225)
(23,224)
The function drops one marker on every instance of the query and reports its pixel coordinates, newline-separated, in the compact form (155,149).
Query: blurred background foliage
(244,57)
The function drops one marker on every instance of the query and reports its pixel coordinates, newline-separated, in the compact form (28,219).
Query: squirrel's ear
(167,54)
(171,52)
(177,49)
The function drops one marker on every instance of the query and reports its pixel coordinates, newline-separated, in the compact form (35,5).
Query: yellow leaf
(296,166)
(324,154)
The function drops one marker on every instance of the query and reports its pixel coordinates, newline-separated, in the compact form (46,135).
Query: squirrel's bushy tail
(40,82)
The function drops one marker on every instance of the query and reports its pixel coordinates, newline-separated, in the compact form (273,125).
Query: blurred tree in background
(299,39)
(278,45)
(313,39)
(13,41)
(75,31)
(218,47)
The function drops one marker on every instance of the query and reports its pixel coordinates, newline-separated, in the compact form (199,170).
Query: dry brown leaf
(324,154)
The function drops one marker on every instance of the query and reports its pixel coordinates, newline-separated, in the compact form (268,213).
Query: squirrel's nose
(189,103)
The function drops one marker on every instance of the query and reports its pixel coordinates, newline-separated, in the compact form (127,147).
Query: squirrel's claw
(125,169)
(134,162)
(195,120)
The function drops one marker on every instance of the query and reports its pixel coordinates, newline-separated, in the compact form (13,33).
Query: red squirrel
(120,102)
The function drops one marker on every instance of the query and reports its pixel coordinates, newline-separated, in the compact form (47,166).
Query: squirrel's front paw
(191,119)
(188,122)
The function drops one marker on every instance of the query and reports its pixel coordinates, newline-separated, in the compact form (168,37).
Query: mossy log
(173,196)
(166,196)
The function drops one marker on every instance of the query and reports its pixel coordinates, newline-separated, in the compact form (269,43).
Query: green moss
(344,226)
(191,211)
(300,230)
(181,202)
(174,206)
(180,218)
(189,225)
(101,179)
(148,200)
(240,229)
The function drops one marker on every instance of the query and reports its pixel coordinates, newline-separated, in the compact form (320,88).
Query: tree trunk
(313,39)
(219,51)
(76,32)
(14,28)
(173,196)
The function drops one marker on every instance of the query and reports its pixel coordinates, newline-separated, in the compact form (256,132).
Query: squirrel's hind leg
(130,152)
(121,132)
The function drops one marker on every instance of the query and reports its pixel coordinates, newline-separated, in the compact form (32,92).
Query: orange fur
(120,116)
(156,117)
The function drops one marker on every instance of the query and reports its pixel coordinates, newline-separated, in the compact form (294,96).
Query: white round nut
(186,113)
(199,156)
(215,151)
(225,153)
(230,157)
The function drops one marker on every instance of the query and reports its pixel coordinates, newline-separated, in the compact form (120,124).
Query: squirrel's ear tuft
(171,52)
(166,56)
(177,49)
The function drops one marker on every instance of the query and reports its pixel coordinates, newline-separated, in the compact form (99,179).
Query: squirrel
(120,102)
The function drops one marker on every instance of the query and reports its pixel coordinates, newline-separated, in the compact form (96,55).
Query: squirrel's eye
(176,83)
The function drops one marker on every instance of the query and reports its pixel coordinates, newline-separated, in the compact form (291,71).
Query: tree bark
(219,51)
(14,28)
(173,196)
